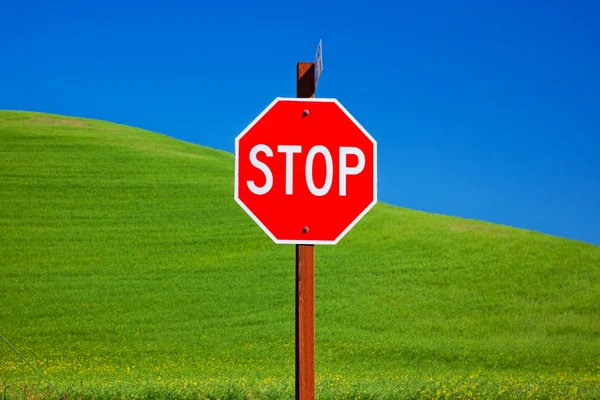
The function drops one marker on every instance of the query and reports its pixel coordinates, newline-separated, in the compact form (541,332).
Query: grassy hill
(127,269)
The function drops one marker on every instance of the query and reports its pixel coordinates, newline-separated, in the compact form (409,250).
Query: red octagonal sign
(305,171)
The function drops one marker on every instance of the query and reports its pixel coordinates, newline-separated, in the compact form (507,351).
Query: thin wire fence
(31,365)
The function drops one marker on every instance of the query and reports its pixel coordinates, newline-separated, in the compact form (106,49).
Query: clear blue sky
(485,110)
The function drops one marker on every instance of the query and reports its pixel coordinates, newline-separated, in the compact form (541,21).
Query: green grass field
(127,270)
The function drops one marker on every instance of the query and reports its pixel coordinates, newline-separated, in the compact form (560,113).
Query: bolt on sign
(305,171)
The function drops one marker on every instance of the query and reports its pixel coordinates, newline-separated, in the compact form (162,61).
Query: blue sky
(484,110)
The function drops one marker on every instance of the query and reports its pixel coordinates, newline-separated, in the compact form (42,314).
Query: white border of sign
(264,228)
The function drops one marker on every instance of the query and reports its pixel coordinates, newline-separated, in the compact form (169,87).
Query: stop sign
(305,171)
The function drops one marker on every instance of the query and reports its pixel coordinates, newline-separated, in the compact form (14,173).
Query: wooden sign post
(305,278)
